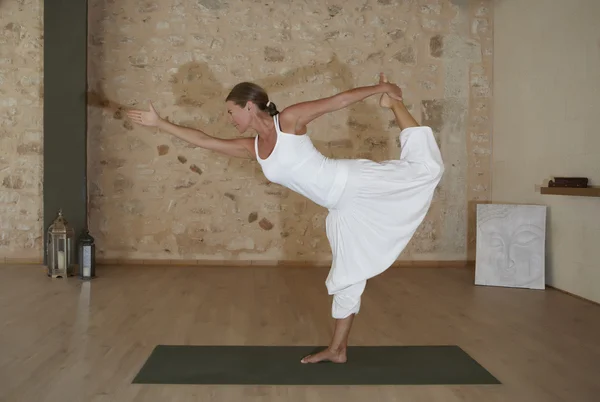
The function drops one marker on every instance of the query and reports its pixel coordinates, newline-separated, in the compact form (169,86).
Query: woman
(374,208)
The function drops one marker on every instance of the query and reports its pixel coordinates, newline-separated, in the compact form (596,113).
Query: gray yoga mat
(280,365)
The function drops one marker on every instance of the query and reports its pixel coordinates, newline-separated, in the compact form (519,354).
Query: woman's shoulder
(288,122)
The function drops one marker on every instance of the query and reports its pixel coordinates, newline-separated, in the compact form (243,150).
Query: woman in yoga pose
(374,208)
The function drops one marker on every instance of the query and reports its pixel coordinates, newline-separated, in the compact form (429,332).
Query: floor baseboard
(278,263)
(573,295)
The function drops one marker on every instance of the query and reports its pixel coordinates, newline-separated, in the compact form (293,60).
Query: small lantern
(87,258)
(60,248)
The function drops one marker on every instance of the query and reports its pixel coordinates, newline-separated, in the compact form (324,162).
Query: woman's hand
(238,147)
(148,118)
(386,100)
(390,89)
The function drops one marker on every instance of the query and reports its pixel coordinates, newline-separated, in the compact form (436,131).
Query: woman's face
(240,117)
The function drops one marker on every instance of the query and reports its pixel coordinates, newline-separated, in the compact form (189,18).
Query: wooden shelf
(577,192)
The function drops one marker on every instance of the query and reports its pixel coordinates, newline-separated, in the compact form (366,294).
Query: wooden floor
(61,340)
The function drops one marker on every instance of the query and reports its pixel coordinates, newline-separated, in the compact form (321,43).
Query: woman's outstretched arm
(403,117)
(297,116)
(238,147)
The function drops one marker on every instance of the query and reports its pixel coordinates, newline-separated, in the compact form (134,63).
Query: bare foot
(326,355)
(385,101)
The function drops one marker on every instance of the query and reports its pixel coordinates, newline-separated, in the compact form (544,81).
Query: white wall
(546,123)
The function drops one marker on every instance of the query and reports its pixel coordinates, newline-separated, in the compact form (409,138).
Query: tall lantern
(60,250)
(87,258)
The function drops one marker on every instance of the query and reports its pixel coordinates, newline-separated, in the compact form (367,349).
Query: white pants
(379,211)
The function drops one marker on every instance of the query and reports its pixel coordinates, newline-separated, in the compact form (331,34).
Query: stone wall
(21,126)
(153,196)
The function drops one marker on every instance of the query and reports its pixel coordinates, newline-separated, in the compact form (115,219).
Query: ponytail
(271,109)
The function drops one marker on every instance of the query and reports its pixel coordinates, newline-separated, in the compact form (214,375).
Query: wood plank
(65,339)
(577,192)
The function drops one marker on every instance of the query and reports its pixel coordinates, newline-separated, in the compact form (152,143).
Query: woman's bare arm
(238,147)
(297,116)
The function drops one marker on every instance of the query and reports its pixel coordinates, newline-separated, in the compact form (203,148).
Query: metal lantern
(60,248)
(87,258)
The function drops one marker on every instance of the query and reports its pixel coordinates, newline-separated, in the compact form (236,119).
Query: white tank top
(296,164)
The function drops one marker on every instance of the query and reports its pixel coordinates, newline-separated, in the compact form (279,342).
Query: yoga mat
(280,365)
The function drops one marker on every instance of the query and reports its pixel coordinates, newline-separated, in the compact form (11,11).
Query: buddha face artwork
(511,246)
